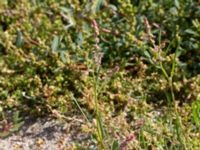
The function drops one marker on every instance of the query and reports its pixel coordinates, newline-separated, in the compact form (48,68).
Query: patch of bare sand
(45,134)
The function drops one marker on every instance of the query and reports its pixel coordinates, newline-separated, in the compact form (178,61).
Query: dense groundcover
(131,68)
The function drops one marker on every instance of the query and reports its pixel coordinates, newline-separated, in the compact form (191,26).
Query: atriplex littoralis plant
(96,70)
(95,65)
(168,76)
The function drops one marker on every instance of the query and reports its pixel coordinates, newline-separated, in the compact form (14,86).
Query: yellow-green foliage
(150,65)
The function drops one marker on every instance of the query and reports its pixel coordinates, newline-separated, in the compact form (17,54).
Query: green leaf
(55,44)
(79,39)
(113,7)
(100,128)
(177,4)
(190,31)
(147,54)
(148,57)
(62,56)
(4,134)
(196,113)
(97,5)
(17,126)
(86,27)
(16,117)
(19,39)
(1,109)
(115,145)
(173,11)
(66,10)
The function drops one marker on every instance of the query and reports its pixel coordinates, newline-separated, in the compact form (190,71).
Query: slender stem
(75,100)
(98,116)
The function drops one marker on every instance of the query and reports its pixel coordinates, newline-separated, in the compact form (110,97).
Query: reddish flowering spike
(129,138)
(94,23)
(156,25)
(106,30)
(95,26)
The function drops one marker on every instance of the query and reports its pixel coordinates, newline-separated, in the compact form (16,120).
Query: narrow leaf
(55,44)
(115,145)
(177,4)
(79,39)
(97,5)
(19,39)
(190,31)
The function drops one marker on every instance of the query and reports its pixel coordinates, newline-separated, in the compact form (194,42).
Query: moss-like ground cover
(131,68)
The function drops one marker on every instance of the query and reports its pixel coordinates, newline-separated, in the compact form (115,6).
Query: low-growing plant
(130,68)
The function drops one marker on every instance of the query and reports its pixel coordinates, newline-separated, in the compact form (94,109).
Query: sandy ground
(44,134)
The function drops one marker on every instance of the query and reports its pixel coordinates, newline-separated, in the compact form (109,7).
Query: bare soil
(45,134)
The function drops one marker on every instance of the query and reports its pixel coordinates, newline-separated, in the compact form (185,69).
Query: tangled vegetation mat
(100,74)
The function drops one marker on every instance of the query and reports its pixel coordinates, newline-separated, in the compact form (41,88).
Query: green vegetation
(131,68)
